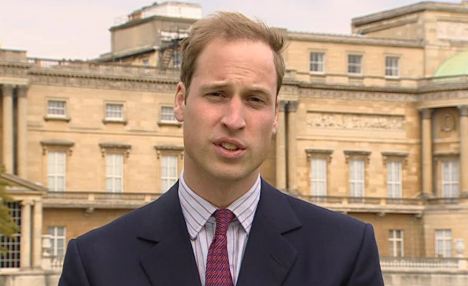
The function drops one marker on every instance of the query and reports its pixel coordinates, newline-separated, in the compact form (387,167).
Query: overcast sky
(79,29)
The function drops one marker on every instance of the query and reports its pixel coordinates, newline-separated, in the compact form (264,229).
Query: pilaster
(281,148)
(25,260)
(463,150)
(37,235)
(22,131)
(426,118)
(292,147)
(7,91)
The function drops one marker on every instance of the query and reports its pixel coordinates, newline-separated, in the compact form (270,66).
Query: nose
(233,117)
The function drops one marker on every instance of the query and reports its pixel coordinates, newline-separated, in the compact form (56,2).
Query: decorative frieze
(358,95)
(104,83)
(331,120)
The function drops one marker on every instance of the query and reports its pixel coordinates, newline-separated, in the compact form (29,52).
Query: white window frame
(318,176)
(357,177)
(450,178)
(58,241)
(355,65)
(169,171)
(114,173)
(167,114)
(317,62)
(394,179)
(56,170)
(392,66)
(114,111)
(56,108)
(12,258)
(443,243)
(396,242)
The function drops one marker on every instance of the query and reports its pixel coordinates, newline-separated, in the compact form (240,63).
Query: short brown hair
(229,26)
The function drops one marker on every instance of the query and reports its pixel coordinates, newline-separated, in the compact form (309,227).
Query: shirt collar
(197,211)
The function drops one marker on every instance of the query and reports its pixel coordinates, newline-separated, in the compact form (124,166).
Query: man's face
(230,112)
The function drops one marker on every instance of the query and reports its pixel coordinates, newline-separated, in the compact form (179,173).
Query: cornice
(409,9)
(353,39)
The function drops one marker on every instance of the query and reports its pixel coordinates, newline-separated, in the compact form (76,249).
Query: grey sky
(80,29)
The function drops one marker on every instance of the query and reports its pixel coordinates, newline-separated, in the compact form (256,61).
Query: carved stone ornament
(448,122)
(355,121)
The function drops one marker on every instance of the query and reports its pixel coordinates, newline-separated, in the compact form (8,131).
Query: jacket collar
(268,255)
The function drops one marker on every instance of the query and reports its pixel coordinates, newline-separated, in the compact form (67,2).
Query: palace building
(373,124)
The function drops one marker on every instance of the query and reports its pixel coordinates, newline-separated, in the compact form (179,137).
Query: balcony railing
(103,69)
(97,199)
(368,204)
(423,264)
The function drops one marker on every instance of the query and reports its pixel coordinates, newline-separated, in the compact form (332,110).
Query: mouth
(230,148)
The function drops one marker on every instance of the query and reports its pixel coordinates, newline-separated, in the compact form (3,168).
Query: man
(221,224)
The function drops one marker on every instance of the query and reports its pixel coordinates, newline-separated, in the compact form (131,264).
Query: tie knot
(223,219)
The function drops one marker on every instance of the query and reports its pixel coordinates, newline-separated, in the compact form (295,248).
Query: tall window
(317,62)
(318,176)
(394,182)
(56,171)
(11,257)
(396,242)
(356,177)
(392,66)
(167,114)
(355,64)
(58,241)
(443,243)
(168,172)
(56,108)
(450,178)
(114,173)
(176,59)
(114,111)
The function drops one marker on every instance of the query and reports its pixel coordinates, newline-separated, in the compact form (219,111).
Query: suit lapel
(268,255)
(171,260)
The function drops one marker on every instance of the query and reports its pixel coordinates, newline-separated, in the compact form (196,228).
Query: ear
(179,102)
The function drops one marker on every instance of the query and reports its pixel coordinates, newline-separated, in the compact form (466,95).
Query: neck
(219,192)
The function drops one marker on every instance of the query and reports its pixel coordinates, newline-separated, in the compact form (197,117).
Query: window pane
(392,66)
(356,179)
(168,172)
(450,178)
(354,64)
(167,114)
(114,111)
(316,62)
(56,108)
(318,177)
(56,164)
(114,173)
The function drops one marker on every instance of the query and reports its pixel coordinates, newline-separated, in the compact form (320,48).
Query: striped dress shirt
(201,225)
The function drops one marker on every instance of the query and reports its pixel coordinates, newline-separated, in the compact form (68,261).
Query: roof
(454,66)
(409,9)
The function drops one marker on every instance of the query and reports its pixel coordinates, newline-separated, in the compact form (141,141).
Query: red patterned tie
(218,272)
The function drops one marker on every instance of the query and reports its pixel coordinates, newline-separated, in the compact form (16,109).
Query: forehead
(238,56)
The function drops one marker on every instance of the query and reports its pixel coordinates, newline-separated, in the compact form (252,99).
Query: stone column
(464,150)
(292,162)
(8,128)
(281,148)
(25,261)
(426,139)
(22,131)
(37,235)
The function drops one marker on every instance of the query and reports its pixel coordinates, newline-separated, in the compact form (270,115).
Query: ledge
(114,121)
(53,118)
(169,123)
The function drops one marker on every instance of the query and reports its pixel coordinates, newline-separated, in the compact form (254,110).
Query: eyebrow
(226,85)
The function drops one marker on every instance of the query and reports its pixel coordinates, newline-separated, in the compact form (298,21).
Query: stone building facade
(373,124)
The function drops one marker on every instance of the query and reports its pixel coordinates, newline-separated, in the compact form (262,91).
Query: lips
(229,147)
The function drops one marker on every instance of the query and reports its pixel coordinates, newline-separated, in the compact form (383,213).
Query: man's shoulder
(132,223)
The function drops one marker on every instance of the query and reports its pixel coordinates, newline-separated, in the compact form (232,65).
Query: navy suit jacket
(291,243)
